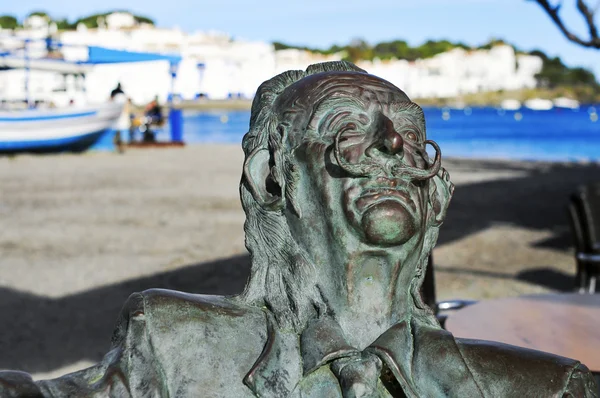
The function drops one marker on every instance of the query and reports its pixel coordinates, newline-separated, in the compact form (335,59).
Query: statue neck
(370,294)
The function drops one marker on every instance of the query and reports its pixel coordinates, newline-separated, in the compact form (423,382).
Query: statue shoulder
(14,383)
(163,309)
(194,339)
(499,368)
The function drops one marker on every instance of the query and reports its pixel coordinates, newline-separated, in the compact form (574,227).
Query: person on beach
(132,120)
(343,207)
(153,117)
(124,122)
(154,112)
(117,91)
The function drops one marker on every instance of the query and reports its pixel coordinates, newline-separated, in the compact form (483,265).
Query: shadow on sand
(39,334)
(537,200)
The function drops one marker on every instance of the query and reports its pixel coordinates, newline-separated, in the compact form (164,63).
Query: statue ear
(440,193)
(260,181)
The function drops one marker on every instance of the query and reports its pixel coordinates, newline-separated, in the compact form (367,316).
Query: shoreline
(479,100)
(452,103)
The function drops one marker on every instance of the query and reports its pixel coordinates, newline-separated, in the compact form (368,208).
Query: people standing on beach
(118,142)
(124,122)
(129,109)
(154,112)
(154,116)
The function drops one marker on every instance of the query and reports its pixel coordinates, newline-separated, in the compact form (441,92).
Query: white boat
(568,103)
(510,104)
(539,104)
(66,128)
(56,130)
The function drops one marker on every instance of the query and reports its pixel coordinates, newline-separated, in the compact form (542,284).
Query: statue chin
(388,223)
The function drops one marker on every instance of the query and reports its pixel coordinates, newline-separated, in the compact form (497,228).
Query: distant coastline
(483,99)
(207,105)
(585,95)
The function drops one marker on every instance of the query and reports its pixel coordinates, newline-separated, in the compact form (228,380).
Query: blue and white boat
(67,128)
(72,129)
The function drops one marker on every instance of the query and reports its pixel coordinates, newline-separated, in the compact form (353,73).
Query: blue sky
(320,23)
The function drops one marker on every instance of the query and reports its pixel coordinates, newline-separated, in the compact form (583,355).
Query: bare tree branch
(586,12)
(588,16)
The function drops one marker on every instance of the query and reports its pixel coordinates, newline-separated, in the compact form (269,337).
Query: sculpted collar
(422,360)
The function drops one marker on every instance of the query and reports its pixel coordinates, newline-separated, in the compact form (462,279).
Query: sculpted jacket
(172,344)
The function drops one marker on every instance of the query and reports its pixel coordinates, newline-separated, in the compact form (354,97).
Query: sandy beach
(80,233)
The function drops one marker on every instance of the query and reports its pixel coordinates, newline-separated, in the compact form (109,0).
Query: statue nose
(392,140)
(394,143)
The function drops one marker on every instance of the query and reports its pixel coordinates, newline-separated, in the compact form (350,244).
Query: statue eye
(411,136)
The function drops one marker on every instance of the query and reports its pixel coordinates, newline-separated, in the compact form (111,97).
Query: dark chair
(584,216)
(429,297)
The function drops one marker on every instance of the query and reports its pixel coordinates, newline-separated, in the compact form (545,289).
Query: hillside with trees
(90,21)
(359,49)
(8,22)
(555,78)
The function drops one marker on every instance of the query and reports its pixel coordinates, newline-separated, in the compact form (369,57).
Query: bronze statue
(343,207)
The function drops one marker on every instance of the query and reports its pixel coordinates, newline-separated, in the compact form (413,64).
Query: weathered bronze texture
(343,206)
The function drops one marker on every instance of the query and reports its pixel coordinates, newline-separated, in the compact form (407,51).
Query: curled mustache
(392,167)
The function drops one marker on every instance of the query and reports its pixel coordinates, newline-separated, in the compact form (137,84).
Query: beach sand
(80,233)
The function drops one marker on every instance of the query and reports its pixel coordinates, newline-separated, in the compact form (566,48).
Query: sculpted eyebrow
(337,118)
(334,118)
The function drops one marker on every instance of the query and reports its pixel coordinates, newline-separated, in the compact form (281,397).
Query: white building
(458,72)
(36,22)
(218,67)
(120,20)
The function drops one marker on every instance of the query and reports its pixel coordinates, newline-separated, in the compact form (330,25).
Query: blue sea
(554,135)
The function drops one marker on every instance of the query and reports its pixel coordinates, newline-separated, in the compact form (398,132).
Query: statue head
(336,182)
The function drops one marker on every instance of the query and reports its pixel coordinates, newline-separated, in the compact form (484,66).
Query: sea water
(555,135)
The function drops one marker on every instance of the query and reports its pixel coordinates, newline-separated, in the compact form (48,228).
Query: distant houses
(217,66)
(459,72)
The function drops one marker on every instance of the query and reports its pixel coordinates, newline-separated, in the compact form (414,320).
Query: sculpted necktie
(358,375)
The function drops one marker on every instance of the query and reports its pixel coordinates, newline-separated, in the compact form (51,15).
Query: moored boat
(72,129)
(539,104)
(510,104)
(568,103)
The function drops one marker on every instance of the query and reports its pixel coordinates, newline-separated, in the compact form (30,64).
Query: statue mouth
(383,211)
(374,196)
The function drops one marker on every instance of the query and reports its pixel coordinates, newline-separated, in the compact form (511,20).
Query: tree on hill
(556,74)
(39,14)
(142,19)
(8,22)
(492,43)
(64,24)
(91,21)
(359,49)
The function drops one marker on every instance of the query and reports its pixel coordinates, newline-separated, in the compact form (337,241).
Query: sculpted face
(341,197)
(383,207)
(363,157)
